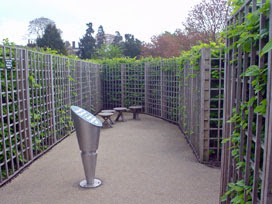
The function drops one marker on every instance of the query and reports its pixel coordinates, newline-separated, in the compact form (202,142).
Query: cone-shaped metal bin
(88,131)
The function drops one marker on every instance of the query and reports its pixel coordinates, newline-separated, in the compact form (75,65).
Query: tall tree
(207,19)
(36,27)
(166,45)
(52,39)
(100,37)
(132,46)
(87,44)
(117,41)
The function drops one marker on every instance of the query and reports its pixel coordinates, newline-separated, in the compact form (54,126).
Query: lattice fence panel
(86,88)
(170,90)
(95,84)
(41,101)
(112,86)
(134,90)
(75,83)
(61,79)
(15,141)
(154,92)
(37,90)
(250,163)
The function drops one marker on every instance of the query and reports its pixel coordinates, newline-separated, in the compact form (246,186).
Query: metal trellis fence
(247,156)
(37,90)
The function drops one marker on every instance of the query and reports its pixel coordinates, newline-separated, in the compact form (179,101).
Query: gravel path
(146,161)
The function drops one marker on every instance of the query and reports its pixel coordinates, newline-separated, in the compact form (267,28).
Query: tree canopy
(207,19)
(131,46)
(87,43)
(117,41)
(109,52)
(166,45)
(100,37)
(36,27)
(52,39)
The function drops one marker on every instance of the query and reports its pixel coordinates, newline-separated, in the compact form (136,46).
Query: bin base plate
(96,183)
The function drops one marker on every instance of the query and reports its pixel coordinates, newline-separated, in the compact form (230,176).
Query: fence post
(267,172)
(97,88)
(162,88)
(266,196)
(205,64)
(25,56)
(80,83)
(180,94)
(146,68)
(53,98)
(123,75)
(69,87)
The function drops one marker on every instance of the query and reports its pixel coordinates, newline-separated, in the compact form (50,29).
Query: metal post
(87,130)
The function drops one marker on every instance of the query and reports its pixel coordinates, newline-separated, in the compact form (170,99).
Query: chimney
(73,44)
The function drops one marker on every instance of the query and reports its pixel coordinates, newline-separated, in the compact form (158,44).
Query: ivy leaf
(225,140)
(70,78)
(253,70)
(261,109)
(266,48)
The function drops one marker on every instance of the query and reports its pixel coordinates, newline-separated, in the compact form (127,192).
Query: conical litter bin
(88,131)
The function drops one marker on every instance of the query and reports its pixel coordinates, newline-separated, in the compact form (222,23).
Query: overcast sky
(142,18)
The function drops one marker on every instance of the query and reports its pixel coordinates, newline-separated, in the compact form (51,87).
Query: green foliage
(6,42)
(87,44)
(117,41)
(52,39)
(192,56)
(238,188)
(108,52)
(266,48)
(100,37)
(247,34)
(131,46)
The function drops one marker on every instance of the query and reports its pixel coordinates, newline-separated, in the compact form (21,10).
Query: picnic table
(108,111)
(120,111)
(136,110)
(107,119)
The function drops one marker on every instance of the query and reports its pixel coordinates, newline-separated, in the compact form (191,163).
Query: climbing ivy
(247,34)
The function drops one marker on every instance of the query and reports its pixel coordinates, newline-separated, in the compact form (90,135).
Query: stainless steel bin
(88,131)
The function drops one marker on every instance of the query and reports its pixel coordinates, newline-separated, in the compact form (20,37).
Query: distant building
(74,48)
(109,38)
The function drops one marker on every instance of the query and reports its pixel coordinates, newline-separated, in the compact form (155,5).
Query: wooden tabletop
(105,114)
(107,111)
(120,108)
(135,107)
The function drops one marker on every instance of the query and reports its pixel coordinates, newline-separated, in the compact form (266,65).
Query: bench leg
(106,123)
(118,116)
(123,117)
(111,121)
(137,116)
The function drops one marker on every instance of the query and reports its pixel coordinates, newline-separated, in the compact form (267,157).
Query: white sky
(142,18)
